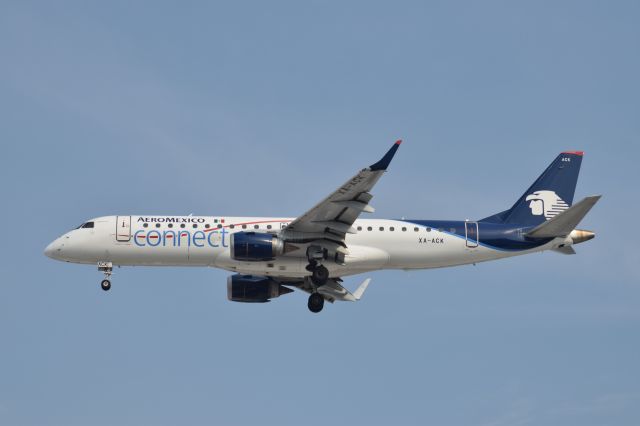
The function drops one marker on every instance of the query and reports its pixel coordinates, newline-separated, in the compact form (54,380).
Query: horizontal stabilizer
(332,290)
(562,224)
(565,250)
(361,289)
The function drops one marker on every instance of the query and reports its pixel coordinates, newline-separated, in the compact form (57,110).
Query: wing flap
(358,206)
(342,227)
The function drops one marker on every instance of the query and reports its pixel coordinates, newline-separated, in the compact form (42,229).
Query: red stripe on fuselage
(247,223)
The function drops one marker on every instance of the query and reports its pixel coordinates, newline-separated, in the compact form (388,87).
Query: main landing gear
(319,277)
(319,274)
(107,269)
(316,302)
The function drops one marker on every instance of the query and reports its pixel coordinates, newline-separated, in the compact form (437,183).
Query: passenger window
(381,228)
(440,229)
(359,228)
(404,229)
(232,226)
(157,225)
(145,225)
(195,225)
(415,229)
(170,225)
(392,229)
(219,225)
(428,229)
(244,226)
(206,226)
(256,226)
(369,228)
(182,225)
(268,226)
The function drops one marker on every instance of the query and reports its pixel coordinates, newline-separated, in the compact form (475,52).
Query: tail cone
(579,236)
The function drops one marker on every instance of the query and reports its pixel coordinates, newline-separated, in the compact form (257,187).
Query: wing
(328,222)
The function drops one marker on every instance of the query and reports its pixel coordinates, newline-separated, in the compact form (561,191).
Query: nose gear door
(123,228)
(471,234)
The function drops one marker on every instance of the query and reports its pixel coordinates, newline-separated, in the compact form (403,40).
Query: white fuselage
(204,241)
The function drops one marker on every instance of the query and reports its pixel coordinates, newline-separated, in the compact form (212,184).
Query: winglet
(384,162)
(361,289)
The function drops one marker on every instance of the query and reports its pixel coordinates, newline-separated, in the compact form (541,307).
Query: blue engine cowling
(255,246)
(253,289)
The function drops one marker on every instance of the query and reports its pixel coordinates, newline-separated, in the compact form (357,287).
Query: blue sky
(262,108)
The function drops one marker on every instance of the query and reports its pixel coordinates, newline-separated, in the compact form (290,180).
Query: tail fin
(551,194)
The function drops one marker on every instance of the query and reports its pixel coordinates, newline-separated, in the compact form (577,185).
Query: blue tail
(549,195)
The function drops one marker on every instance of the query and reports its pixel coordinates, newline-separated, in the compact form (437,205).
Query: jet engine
(253,289)
(255,246)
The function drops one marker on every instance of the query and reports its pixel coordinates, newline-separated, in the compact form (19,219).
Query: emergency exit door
(471,234)
(123,228)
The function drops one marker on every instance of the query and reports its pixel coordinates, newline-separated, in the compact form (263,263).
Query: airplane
(271,256)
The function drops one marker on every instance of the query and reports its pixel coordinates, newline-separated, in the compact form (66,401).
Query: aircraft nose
(53,249)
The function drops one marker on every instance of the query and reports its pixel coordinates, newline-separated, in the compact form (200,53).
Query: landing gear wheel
(106,285)
(316,302)
(320,275)
(107,269)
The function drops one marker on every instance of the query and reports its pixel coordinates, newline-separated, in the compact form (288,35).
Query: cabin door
(123,228)
(471,234)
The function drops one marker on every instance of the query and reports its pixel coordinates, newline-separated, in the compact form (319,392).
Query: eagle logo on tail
(546,203)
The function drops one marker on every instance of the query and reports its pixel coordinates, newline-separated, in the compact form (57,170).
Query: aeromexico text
(210,237)
(188,219)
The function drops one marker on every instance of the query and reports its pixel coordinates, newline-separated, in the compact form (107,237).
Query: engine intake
(255,246)
(253,289)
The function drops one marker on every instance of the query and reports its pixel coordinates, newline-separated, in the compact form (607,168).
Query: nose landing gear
(107,269)
(105,284)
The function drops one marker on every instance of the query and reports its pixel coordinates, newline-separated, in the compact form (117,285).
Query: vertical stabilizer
(551,194)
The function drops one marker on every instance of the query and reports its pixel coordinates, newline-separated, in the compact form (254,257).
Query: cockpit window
(88,225)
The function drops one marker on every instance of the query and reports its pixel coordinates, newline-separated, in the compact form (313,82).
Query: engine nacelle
(255,246)
(253,289)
